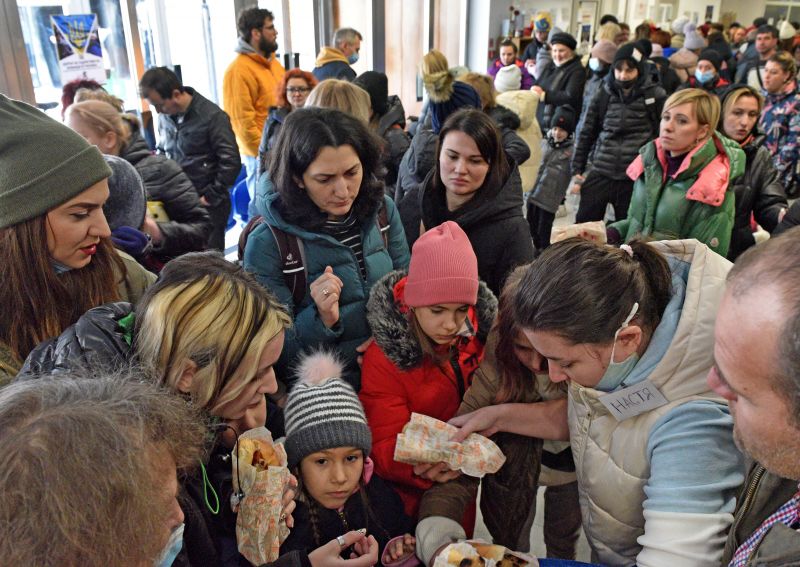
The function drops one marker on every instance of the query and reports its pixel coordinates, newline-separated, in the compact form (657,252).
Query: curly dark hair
(304,134)
(251,19)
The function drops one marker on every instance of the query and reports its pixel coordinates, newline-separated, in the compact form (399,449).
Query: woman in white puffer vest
(631,331)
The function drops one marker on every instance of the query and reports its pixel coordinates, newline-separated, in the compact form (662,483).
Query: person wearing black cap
(562,80)
(706,74)
(388,120)
(553,178)
(622,117)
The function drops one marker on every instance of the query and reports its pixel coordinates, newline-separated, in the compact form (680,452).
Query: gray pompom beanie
(323,411)
(43,164)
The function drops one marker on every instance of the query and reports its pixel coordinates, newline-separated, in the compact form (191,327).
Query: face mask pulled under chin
(172,549)
(617,372)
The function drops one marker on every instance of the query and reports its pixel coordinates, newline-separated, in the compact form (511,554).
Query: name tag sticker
(633,400)
(649,101)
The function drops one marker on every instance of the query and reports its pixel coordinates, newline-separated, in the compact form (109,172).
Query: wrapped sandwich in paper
(261,469)
(594,231)
(479,554)
(427,440)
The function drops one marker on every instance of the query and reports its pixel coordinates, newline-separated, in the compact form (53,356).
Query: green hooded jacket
(696,202)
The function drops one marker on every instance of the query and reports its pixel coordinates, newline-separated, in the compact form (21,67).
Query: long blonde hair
(210,312)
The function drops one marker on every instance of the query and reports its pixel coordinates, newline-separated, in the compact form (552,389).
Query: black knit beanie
(377,86)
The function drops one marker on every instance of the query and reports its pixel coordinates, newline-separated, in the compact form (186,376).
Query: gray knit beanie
(43,163)
(323,411)
(127,201)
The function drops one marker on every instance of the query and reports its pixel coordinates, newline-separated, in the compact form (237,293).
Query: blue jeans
(251,167)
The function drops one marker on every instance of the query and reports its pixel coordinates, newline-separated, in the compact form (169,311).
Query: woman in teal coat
(328,209)
(683,178)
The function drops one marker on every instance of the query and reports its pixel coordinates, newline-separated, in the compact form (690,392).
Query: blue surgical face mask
(704,78)
(595,65)
(353,59)
(172,549)
(617,371)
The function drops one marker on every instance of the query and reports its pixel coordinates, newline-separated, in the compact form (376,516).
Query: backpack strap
(290,247)
(291,250)
(383,223)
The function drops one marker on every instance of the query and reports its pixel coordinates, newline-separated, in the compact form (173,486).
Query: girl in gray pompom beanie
(327,444)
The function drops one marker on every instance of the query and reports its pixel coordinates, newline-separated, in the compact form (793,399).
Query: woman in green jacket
(682,180)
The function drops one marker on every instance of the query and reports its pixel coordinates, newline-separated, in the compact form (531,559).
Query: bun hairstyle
(583,291)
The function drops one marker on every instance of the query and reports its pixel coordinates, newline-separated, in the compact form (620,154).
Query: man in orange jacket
(249,85)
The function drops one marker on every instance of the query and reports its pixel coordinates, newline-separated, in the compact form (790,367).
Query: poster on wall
(80,55)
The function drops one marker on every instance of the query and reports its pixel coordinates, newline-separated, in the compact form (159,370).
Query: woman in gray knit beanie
(57,258)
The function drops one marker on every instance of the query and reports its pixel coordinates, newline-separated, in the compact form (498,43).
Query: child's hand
(289,492)
(437,472)
(402,547)
(365,554)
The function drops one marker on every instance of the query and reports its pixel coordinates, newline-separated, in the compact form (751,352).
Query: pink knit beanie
(443,268)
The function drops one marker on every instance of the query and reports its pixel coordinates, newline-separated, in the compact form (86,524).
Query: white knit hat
(786,31)
(678,24)
(693,39)
(508,78)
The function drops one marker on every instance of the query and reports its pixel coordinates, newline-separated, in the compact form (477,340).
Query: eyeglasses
(297,90)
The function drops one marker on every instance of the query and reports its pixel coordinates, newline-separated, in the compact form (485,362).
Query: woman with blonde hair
(55,249)
(682,180)
(186,224)
(341,95)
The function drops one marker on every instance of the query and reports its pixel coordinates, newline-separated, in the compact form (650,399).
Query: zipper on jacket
(344,520)
(457,371)
(748,498)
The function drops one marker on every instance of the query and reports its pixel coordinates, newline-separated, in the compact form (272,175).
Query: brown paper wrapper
(259,529)
(476,553)
(425,439)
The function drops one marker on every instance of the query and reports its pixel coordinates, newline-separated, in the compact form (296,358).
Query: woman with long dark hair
(328,205)
(55,248)
(476,185)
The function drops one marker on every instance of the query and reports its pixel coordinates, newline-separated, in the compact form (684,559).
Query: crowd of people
(396,266)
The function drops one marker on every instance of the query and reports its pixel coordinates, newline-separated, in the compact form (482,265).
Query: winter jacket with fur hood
(524,104)
(164,180)
(397,379)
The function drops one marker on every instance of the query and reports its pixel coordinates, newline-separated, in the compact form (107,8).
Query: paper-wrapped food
(479,554)
(264,475)
(594,231)
(427,440)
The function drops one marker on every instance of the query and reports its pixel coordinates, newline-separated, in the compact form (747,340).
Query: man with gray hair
(334,62)
(757,369)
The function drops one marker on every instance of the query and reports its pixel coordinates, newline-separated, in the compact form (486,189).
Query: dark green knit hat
(42,163)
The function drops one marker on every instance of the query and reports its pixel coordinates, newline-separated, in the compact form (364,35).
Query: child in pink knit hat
(430,326)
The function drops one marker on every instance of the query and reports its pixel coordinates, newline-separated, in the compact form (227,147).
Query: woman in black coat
(561,82)
(759,192)
(475,184)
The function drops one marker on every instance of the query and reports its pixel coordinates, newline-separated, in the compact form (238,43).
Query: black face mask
(625,85)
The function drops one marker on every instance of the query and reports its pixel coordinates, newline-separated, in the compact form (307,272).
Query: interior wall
(745,10)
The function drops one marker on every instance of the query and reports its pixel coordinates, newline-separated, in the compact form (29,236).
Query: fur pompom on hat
(323,411)
(508,78)
(692,39)
(443,268)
